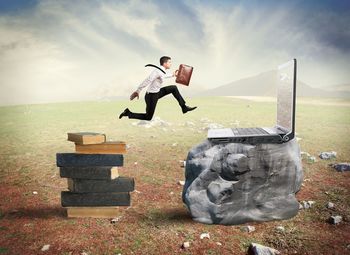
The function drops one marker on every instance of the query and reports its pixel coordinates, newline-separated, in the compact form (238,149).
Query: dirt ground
(157,221)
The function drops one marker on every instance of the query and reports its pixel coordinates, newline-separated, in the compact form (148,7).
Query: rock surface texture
(233,183)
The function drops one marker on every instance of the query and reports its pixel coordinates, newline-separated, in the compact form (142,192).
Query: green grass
(31,135)
(3,250)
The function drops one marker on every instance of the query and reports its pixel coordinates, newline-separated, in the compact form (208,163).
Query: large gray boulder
(235,183)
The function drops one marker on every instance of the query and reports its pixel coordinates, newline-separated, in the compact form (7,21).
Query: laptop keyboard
(249,131)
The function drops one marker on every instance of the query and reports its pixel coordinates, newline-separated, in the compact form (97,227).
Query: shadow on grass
(162,216)
(176,215)
(154,216)
(39,212)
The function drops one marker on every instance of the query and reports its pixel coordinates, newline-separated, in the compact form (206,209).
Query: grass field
(157,222)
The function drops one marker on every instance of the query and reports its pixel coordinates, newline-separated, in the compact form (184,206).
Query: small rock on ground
(335,219)
(258,249)
(248,229)
(182,183)
(341,167)
(185,245)
(328,155)
(306,204)
(280,228)
(330,205)
(115,220)
(46,247)
(205,235)
(183,163)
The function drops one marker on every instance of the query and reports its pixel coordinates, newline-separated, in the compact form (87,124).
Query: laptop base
(248,140)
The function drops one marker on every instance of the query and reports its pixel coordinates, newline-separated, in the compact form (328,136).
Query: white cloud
(75,50)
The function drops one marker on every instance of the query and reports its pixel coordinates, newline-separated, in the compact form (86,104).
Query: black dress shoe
(124,113)
(186,108)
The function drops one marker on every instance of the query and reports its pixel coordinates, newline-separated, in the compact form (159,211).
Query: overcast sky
(53,51)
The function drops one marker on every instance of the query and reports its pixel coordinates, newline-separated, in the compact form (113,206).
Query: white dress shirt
(154,80)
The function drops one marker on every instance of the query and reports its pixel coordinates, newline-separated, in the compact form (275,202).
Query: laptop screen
(285,95)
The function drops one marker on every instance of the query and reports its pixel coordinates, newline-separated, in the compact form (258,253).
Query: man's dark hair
(163,60)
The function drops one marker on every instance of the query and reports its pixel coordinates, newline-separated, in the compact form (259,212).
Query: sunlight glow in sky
(53,51)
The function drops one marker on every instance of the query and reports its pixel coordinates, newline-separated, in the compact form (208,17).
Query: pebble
(185,245)
(115,220)
(156,121)
(258,249)
(189,124)
(205,235)
(46,247)
(312,159)
(303,153)
(183,163)
(341,167)
(308,157)
(182,183)
(330,205)
(35,192)
(328,155)
(310,202)
(280,228)
(248,229)
(306,204)
(218,243)
(335,219)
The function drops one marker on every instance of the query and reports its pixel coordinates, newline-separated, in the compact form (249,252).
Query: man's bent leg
(151,102)
(174,90)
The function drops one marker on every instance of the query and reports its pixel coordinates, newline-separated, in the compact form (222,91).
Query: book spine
(120,184)
(87,172)
(101,149)
(79,159)
(95,199)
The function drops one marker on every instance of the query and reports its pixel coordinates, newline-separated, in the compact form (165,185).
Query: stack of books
(95,187)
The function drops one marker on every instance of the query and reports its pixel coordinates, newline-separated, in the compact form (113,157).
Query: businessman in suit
(155,92)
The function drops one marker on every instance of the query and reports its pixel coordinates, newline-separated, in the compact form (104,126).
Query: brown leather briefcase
(184,74)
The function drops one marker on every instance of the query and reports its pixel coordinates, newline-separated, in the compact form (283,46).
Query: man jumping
(155,92)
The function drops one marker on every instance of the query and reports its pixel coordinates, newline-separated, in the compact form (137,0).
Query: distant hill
(264,84)
(338,87)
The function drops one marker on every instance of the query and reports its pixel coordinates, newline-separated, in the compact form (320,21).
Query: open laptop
(283,131)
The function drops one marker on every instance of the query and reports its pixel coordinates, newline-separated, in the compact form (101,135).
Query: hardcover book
(117,147)
(86,137)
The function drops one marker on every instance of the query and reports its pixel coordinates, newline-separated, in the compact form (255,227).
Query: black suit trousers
(151,100)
